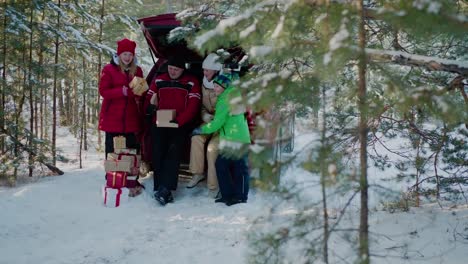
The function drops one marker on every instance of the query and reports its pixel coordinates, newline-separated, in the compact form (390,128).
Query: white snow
(244,33)
(278,28)
(61,220)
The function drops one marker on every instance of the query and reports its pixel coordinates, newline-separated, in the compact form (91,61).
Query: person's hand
(207,117)
(130,93)
(196,131)
(125,90)
(154,99)
(174,121)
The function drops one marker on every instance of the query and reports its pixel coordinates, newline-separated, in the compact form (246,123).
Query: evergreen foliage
(29,29)
(417,104)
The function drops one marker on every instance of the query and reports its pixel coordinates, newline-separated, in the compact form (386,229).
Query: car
(156,30)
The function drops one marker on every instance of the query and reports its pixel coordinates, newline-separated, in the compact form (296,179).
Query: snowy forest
(380,86)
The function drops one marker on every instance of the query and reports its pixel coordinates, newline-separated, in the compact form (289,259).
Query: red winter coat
(182,94)
(119,113)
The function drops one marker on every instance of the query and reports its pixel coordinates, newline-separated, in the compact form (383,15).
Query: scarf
(208,84)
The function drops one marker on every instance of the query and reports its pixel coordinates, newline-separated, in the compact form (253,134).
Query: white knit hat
(211,62)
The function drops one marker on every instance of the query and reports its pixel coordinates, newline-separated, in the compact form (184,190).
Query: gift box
(120,142)
(164,116)
(131,182)
(125,151)
(116,179)
(133,158)
(114,197)
(118,165)
(138,85)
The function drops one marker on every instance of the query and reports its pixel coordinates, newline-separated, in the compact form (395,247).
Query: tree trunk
(61,106)
(84,120)
(54,94)
(31,98)
(2,96)
(67,101)
(324,159)
(323,175)
(98,97)
(362,103)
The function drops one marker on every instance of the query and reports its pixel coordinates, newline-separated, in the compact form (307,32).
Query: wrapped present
(132,181)
(118,165)
(114,197)
(138,85)
(133,158)
(164,116)
(116,179)
(120,142)
(125,151)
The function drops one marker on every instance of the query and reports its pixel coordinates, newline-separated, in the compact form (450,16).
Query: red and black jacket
(182,94)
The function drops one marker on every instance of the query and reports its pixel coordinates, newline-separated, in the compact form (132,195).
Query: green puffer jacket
(229,119)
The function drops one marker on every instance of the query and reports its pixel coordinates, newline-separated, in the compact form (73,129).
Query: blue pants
(233,177)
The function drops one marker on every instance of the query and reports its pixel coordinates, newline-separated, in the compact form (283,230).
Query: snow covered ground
(62,220)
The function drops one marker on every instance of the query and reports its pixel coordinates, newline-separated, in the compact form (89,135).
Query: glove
(150,112)
(127,92)
(154,99)
(174,121)
(196,131)
(207,117)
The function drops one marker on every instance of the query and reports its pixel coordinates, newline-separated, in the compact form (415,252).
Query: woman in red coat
(120,113)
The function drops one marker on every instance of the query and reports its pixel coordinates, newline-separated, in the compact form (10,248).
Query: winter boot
(196,178)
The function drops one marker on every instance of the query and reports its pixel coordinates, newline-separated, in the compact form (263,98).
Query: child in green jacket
(232,162)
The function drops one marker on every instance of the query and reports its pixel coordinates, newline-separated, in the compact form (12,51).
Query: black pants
(130,138)
(168,146)
(233,177)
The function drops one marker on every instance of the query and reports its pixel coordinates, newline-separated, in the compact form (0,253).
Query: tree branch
(430,63)
(30,151)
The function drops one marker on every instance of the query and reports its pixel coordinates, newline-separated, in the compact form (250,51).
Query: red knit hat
(126,45)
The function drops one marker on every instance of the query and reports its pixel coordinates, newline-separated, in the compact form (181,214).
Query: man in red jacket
(179,91)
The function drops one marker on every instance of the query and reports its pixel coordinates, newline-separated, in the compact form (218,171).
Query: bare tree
(30,88)
(362,104)
(54,94)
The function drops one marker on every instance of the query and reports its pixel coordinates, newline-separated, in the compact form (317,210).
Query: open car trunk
(156,30)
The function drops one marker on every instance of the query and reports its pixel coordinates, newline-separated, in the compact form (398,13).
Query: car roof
(156,29)
(163,20)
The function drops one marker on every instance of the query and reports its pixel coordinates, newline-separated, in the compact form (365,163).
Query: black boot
(163,196)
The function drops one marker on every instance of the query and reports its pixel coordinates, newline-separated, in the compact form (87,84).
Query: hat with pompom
(223,80)
(126,45)
(212,62)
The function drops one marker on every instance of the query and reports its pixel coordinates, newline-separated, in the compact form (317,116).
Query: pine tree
(414,68)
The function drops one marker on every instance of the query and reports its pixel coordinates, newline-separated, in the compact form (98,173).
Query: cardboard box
(138,85)
(118,165)
(131,182)
(133,158)
(114,197)
(116,179)
(120,142)
(164,116)
(125,150)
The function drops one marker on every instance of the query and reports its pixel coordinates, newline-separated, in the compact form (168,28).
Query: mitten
(207,117)
(196,131)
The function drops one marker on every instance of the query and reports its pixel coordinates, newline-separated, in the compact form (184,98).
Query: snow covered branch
(430,63)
